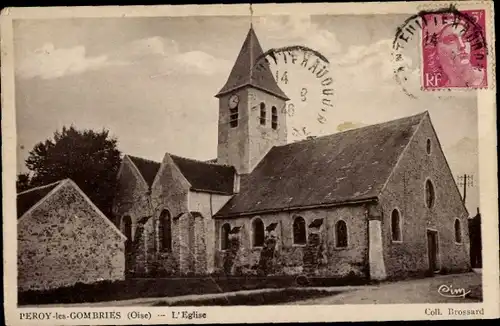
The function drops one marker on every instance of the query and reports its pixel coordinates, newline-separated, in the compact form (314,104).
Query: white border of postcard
(258,314)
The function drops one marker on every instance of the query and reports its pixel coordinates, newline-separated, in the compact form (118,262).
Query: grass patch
(171,287)
(253,299)
(149,288)
(340,281)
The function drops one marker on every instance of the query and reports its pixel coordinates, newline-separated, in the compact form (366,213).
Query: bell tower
(251,115)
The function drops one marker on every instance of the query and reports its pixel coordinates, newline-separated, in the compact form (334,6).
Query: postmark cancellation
(174,161)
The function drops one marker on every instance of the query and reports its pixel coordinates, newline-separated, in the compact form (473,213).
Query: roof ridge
(147,169)
(181,157)
(42,187)
(142,158)
(188,158)
(251,45)
(198,161)
(401,154)
(355,129)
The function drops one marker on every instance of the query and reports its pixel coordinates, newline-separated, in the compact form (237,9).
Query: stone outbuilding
(63,239)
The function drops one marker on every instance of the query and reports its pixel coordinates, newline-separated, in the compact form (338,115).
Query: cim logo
(450,292)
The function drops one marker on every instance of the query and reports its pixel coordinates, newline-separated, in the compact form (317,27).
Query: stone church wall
(64,241)
(280,256)
(405,191)
(132,197)
(232,146)
(206,204)
(170,192)
(191,224)
(244,146)
(263,137)
(133,200)
(200,246)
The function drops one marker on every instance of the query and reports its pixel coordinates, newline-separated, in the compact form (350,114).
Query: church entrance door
(432,250)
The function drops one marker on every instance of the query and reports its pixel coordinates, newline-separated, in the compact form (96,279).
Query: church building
(375,202)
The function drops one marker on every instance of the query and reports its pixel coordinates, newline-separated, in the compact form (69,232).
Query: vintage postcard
(249,163)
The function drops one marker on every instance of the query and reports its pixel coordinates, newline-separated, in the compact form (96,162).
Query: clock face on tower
(233,101)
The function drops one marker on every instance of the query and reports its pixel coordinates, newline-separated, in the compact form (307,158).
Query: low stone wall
(312,259)
(318,256)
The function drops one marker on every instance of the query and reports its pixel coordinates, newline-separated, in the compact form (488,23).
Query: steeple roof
(246,72)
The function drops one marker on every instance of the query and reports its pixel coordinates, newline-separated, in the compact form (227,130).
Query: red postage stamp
(454,50)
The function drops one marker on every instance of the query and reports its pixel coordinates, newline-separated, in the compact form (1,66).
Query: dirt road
(410,291)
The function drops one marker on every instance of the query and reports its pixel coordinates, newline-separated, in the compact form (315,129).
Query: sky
(151,81)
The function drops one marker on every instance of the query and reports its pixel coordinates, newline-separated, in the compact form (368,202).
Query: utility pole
(465,180)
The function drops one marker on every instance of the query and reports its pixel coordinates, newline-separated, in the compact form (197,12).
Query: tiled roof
(247,72)
(343,167)
(28,198)
(147,168)
(205,176)
(202,176)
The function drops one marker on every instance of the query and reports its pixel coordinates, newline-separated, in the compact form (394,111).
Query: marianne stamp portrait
(454,51)
(206,163)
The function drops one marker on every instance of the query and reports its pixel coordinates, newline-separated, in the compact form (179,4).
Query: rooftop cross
(251,15)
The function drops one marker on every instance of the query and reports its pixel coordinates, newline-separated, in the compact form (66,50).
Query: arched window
(127,227)
(258,232)
(127,230)
(299,230)
(233,116)
(458,231)
(395,225)
(429,194)
(165,231)
(224,236)
(274,117)
(262,113)
(341,234)
(428,146)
